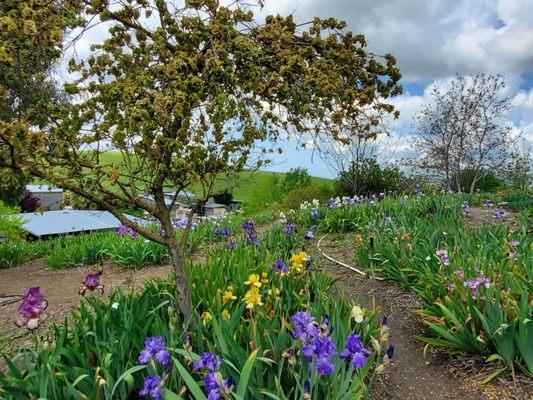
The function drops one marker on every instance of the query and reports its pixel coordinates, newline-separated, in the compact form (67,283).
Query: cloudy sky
(432,41)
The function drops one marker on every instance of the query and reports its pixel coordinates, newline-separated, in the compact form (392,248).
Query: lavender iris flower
(154,348)
(288,229)
(309,235)
(208,361)
(314,213)
(354,351)
(225,231)
(281,267)
(152,387)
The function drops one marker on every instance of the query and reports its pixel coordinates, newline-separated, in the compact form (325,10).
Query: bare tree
(463,129)
(369,137)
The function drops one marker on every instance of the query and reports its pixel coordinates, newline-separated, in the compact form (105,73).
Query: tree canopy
(189,92)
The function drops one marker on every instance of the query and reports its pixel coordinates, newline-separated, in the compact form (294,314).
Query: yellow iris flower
(253,280)
(252,298)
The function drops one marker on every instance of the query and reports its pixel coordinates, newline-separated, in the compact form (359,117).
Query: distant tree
(368,137)
(189,92)
(371,178)
(295,178)
(461,129)
(489,182)
(518,171)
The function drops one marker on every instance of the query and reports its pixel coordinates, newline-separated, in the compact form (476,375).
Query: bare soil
(412,375)
(60,288)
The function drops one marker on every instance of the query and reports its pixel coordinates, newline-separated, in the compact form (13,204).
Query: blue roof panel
(63,222)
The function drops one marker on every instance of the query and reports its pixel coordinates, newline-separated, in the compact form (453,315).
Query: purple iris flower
(403,201)
(288,229)
(466,212)
(216,231)
(231,244)
(354,351)
(211,387)
(91,282)
(31,310)
(324,366)
(154,348)
(248,224)
(305,326)
(499,213)
(121,230)
(152,387)
(281,267)
(225,231)
(488,203)
(208,361)
(309,235)
(314,213)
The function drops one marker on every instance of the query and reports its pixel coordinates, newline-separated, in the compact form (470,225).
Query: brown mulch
(413,376)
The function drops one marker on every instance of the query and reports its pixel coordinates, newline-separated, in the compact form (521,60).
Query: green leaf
(125,374)
(189,381)
(245,375)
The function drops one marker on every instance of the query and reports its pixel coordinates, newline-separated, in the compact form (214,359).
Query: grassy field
(242,189)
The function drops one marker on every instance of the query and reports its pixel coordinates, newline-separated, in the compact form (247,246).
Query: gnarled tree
(187,93)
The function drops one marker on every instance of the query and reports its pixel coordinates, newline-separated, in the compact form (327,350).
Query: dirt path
(411,376)
(60,288)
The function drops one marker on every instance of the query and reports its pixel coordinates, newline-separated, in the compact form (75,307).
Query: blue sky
(432,40)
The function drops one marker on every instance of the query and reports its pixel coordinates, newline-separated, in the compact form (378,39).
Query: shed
(213,209)
(50,197)
(65,222)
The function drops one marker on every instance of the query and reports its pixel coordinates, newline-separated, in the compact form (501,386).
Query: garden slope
(411,376)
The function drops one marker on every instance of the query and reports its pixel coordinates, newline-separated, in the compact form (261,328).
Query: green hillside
(247,182)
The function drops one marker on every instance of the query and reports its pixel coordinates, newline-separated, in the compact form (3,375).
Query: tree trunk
(183,294)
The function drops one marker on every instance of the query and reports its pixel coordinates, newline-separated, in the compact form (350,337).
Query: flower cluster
(298,261)
(249,227)
(31,311)
(317,346)
(91,282)
(306,205)
(181,223)
(442,254)
(123,230)
(224,231)
(475,284)
(215,385)
(252,297)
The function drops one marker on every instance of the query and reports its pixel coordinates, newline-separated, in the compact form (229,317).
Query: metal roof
(43,189)
(63,222)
